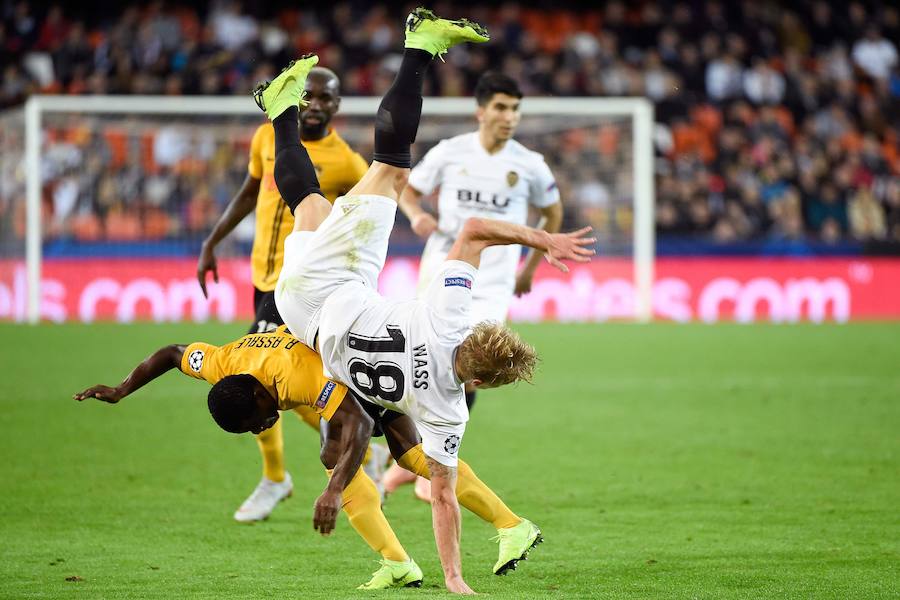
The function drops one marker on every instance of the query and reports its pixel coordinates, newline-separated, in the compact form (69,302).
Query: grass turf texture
(661,461)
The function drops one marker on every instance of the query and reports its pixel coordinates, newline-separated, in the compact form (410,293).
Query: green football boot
(426,31)
(286,90)
(394,574)
(515,543)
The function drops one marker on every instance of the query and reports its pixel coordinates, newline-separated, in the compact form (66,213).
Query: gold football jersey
(338,168)
(290,372)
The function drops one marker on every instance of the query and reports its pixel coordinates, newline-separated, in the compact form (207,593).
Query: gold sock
(363,507)
(471,492)
(271,446)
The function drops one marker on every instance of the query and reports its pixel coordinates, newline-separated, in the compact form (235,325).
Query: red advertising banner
(685,289)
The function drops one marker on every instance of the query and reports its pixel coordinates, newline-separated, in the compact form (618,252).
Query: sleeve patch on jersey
(195,360)
(451,444)
(458,282)
(325,394)
(552,186)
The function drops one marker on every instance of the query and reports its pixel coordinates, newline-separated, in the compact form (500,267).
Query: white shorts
(349,247)
(492,290)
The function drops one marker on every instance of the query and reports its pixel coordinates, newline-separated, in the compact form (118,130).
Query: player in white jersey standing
(411,357)
(485,173)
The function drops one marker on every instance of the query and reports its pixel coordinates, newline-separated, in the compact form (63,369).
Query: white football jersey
(474,183)
(400,355)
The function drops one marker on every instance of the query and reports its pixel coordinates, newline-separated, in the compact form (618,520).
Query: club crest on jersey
(451,444)
(195,360)
(512,178)
(458,282)
(325,394)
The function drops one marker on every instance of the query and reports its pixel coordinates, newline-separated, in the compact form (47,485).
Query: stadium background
(661,461)
(776,136)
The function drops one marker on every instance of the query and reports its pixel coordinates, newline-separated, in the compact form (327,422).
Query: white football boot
(264,499)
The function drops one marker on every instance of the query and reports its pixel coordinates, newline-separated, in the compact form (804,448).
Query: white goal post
(639,110)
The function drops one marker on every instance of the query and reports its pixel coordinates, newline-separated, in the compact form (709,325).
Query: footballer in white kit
(412,357)
(485,174)
(399,355)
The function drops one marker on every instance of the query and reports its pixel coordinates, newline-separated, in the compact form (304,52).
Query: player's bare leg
(395,477)
(515,535)
(382,180)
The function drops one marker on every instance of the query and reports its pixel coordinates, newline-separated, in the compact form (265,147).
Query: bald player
(338,168)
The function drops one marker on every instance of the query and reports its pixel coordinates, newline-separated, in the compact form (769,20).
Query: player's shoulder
(335,138)
(338,143)
(523,152)
(195,355)
(457,142)
(265,129)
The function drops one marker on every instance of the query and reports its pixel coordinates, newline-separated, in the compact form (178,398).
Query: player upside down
(240,373)
(411,357)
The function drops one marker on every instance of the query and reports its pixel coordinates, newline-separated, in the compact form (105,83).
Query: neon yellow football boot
(286,90)
(426,31)
(394,574)
(515,543)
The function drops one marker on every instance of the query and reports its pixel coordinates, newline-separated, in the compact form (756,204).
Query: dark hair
(492,83)
(231,402)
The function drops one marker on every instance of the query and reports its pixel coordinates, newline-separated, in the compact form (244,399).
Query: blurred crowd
(774,121)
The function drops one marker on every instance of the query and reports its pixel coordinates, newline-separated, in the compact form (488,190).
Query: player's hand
(326,510)
(206,263)
(523,282)
(101,392)
(458,586)
(423,224)
(569,246)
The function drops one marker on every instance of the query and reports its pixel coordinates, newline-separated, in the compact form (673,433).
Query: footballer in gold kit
(277,372)
(338,168)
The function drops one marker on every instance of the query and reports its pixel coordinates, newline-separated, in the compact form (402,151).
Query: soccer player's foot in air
(515,543)
(260,504)
(426,31)
(394,573)
(286,90)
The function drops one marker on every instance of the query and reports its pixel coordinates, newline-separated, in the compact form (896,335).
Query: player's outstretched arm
(551,221)
(478,234)
(149,369)
(345,438)
(240,206)
(447,525)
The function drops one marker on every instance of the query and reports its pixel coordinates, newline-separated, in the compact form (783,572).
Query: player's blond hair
(496,355)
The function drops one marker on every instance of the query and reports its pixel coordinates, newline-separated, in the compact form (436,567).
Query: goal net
(106,200)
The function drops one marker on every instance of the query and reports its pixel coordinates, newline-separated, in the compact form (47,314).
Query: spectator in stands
(752,100)
(875,55)
(762,84)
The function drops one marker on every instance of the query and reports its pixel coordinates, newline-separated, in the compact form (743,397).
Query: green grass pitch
(661,461)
